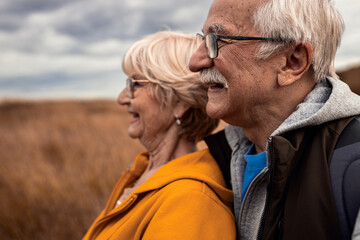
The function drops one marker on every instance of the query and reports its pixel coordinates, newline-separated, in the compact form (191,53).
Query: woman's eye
(139,84)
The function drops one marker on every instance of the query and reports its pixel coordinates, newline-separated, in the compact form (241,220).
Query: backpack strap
(345,176)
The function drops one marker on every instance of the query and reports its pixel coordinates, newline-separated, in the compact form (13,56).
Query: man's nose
(200,59)
(124,97)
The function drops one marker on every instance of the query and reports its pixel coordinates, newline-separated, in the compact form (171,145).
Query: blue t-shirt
(255,163)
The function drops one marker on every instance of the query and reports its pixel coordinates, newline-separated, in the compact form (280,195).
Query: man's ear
(180,109)
(296,63)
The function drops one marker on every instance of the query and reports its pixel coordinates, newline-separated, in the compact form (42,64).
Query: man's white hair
(314,21)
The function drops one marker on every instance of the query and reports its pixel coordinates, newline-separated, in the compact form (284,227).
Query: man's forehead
(227,17)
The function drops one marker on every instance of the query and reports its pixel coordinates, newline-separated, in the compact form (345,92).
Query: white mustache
(212,75)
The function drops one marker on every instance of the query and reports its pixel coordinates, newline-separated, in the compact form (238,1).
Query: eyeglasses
(211,41)
(130,84)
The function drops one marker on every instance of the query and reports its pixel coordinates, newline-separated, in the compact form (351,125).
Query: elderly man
(269,65)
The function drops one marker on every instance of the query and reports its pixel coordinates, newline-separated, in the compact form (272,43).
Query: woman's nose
(124,97)
(200,59)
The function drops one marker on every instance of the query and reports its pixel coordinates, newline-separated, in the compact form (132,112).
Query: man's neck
(267,119)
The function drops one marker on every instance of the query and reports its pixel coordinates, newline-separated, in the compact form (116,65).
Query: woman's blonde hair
(163,59)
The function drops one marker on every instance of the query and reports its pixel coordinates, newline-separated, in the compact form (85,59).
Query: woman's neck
(169,147)
(170,150)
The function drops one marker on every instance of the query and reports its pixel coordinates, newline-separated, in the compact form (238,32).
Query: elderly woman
(173,191)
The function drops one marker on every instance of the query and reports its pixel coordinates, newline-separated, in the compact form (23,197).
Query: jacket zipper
(254,182)
(126,206)
(268,188)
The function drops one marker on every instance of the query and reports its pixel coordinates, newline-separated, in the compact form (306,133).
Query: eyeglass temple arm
(140,80)
(252,38)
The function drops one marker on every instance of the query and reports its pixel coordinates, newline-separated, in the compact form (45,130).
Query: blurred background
(63,139)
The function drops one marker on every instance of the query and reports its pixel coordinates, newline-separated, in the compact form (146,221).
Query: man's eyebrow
(217,29)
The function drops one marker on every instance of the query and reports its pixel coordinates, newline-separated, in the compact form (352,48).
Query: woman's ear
(296,63)
(180,109)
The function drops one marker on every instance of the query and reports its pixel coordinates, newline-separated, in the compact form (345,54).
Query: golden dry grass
(59,162)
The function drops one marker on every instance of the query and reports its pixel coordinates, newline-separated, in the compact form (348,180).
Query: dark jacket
(300,202)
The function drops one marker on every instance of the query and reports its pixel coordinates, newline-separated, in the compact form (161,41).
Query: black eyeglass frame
(130,84)
(238,38)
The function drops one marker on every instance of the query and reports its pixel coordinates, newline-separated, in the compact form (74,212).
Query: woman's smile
(135,118)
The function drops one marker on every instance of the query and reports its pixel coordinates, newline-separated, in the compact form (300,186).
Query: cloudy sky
(73,48)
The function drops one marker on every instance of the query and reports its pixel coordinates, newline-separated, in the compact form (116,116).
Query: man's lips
(216,86)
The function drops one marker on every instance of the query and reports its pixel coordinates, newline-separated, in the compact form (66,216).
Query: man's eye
(224,41)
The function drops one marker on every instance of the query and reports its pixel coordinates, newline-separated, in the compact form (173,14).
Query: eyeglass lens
(211,45)
(130,85)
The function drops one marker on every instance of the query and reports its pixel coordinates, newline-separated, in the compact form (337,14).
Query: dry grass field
(59,162)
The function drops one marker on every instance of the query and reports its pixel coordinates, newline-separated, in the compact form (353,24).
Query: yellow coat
(185,199)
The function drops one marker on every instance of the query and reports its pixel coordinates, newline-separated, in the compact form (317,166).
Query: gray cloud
(92,20)
(125,20)
(23,7)
(13,14)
